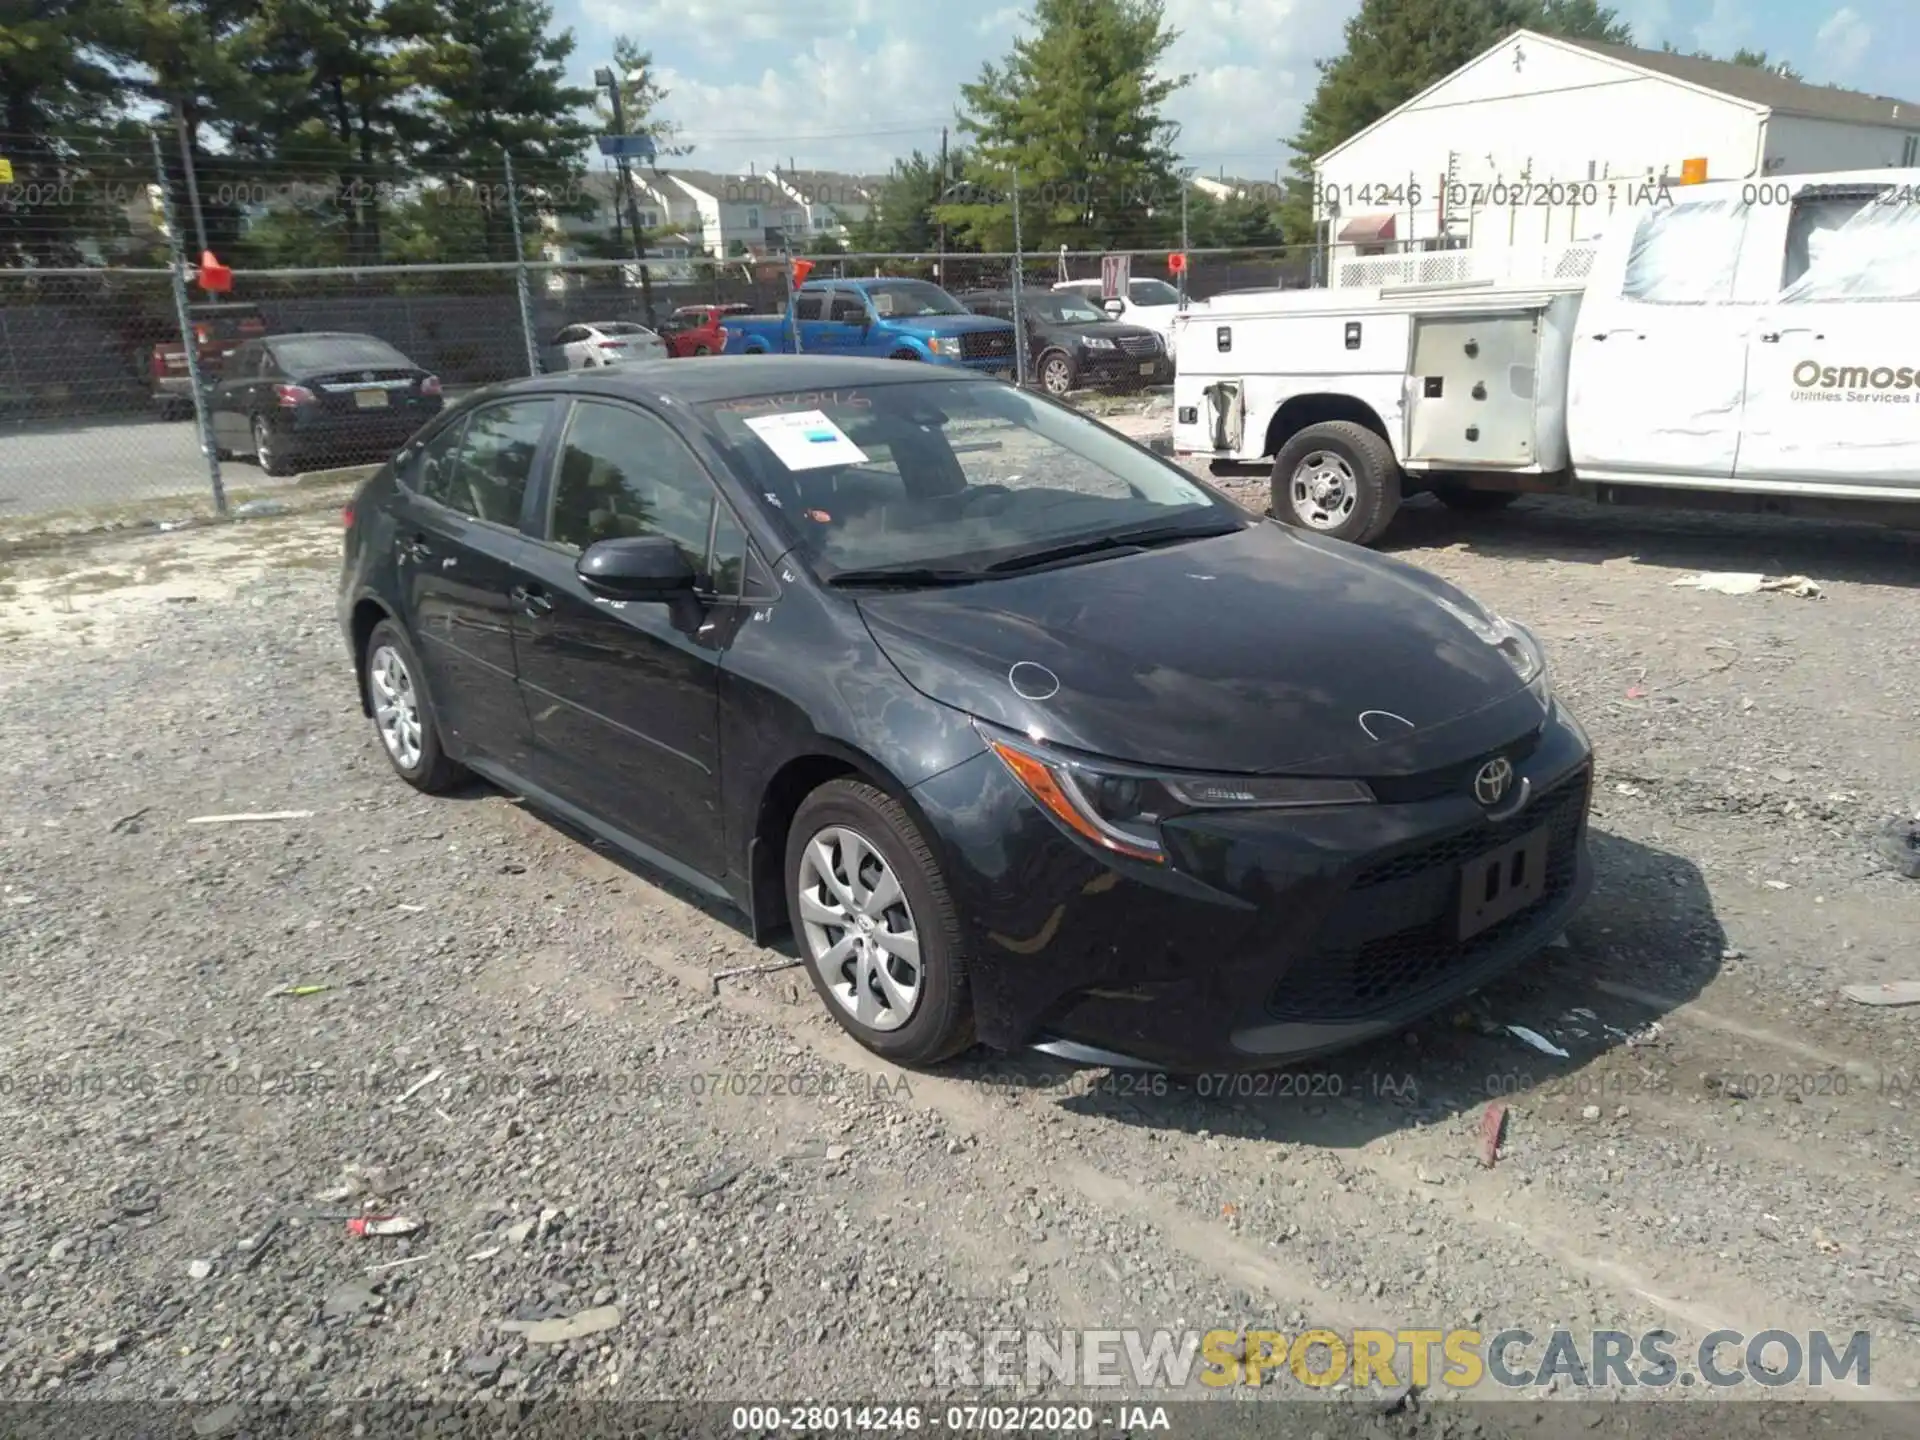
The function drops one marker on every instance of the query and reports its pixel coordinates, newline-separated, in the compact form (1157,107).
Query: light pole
(610,82)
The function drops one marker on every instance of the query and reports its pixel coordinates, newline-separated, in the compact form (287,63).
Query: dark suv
(1072,345)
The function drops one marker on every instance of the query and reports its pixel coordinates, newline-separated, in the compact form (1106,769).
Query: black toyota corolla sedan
(1026,735)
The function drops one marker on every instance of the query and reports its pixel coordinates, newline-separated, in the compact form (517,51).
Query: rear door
(229,397)
(810,320)
(460,550)
(624,694)
(1833,371)
(1658,371)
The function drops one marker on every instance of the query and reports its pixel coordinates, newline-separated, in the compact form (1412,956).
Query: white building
(1530,143)
(723,211)
(831,203)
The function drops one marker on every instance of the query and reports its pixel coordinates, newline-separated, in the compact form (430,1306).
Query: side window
(807,306)
(727,561)
(847,309)
(624,472)
(1853,247)
(1686,254)
(428,472)
(486,475)
(245,363)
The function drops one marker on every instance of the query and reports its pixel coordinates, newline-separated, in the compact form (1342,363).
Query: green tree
(491,80)
(59,104)
(1075,111)
(1397,48)
(641,97)
(901,219)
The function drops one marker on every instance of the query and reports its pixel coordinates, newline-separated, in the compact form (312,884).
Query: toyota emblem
(1491,784)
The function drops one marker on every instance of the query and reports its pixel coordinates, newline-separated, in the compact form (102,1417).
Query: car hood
(950,324)
(1106,329)
(1265,651)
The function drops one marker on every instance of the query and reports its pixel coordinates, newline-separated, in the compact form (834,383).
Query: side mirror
(1115,308)
(637,567)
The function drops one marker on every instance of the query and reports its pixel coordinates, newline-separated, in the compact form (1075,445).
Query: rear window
(337,352)
(621,327)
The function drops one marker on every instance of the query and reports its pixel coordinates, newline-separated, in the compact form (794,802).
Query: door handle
(1772,337)
(415,549)
(532,600)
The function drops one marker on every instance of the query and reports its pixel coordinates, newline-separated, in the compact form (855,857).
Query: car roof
(328,335)
(734,377)
(861,282)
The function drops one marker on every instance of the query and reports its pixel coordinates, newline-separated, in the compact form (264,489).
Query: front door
(228,402)
(624,695)
(1833,373)
(1659,361)
(846,329)
(460,551)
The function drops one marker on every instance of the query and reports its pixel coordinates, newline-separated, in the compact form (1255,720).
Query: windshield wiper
(903,575)
(1141,538)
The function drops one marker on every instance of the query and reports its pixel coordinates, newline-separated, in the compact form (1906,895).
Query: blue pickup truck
(881,317)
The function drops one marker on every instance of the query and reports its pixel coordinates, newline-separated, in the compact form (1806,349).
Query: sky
(851,84)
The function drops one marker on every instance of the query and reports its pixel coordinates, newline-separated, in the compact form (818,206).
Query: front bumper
(1106,368)
(1270,936)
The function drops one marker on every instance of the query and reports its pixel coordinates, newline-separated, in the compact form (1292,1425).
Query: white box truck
(1749,345)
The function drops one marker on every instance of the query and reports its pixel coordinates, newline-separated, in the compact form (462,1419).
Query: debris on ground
(129,824)
(571,1327)
(422,1083)
(717,976)
(1893,992)
(1537,1041)
(254,509)
(716,1181)
(250,818)
(1732,582)
(1493,1127)
(371,1225)
(1899,845)
(295,992)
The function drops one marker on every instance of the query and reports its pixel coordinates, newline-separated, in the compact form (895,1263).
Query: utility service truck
(1748,345)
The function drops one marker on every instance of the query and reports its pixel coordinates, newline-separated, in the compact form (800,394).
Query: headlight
(1515,642)
(1120,808)
(1096,342)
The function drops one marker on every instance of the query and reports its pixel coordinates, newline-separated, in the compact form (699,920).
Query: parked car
(699,329)
(1071,343)
(290,400)
(218,330)
(898,319)
(604,342)
(1148,302)
(1026,734)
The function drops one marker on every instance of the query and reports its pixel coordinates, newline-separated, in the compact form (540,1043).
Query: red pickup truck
(218,330)
(698,329)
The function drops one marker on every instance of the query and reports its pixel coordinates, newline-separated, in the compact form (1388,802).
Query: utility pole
(942,192)
(606,76)
(1186,184)
(186,168)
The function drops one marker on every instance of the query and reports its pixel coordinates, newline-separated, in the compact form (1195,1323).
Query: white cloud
(1843,41)
(721,27)
(1725,29)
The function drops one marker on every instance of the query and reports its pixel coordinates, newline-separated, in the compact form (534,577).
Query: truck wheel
(903,355)
(1337,479)
(1472,502)
(1056,374)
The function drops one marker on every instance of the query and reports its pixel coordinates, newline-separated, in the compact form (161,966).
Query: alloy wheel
(263,442)
(858,929)
(1057,376)
(396,706)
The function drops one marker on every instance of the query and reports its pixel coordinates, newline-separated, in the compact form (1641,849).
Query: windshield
(336,352)
(947,474)
(906,299)
(1064,309)
(1152,292)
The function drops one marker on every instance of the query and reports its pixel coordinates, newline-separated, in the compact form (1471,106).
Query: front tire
(903,355)
(403,716)
(875,925)
(1337,479)
(1056,374)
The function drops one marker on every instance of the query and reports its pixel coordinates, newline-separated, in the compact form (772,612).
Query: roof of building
(828,187)
(1763,87)
(729,189)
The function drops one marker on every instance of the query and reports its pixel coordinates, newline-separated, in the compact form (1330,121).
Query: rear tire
(858,869)
(1472,502)
(1337,479)
(903,355)
(403,718)
(272,460)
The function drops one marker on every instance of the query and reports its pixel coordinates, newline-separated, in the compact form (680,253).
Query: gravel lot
(517,1041)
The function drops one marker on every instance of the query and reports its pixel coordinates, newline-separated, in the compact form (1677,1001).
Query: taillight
(430,385)
(346,518)
(289,396)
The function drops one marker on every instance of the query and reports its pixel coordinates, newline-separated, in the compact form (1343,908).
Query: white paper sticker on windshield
(806,440)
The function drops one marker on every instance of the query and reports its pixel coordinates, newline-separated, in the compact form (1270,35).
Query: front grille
(1140,347)
(1450,779)
(986,344)
(1415,891)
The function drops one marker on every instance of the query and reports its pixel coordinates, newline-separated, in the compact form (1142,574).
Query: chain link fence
(115,389)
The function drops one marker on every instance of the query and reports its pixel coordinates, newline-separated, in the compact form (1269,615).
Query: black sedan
(1025,734)
(294,400)
(1072,345)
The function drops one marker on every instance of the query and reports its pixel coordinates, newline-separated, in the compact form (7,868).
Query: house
(725,212)
(832,203)
(1533,142)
